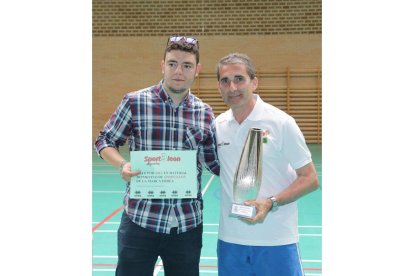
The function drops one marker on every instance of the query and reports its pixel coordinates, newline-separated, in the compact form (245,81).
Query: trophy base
(242,210)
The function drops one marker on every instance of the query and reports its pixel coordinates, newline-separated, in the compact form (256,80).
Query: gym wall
(282,37)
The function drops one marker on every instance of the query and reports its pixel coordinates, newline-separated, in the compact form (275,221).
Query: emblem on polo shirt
(223,144)
(265,135)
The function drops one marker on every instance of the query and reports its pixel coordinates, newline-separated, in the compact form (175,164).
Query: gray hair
(236,58)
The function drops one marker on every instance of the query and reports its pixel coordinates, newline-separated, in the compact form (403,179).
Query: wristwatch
(275,205)
(122,165)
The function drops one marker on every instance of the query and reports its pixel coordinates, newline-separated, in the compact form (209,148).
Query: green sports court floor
(107,196)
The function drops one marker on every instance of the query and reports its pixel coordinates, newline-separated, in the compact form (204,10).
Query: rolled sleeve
(118,128)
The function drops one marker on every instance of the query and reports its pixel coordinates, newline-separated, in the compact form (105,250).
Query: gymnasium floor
(107,196)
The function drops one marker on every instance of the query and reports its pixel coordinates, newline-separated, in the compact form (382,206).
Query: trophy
(248,176)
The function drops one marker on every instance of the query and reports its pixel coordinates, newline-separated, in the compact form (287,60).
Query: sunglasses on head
(187,42)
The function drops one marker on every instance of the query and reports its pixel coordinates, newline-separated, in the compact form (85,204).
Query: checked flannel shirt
(148,120)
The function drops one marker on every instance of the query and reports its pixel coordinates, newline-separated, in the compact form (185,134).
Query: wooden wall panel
(125,64)
(297,92)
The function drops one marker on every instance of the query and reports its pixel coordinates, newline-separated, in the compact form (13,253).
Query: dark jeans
(139,248)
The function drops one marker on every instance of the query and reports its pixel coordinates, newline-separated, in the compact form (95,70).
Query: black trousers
(139,248)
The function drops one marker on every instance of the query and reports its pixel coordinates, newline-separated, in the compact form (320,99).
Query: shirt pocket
(193,138)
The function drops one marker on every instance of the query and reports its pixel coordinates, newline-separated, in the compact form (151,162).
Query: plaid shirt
(148,120)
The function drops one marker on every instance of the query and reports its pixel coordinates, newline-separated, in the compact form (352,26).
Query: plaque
(164,174)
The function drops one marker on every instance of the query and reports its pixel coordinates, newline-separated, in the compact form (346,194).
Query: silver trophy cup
(248,176)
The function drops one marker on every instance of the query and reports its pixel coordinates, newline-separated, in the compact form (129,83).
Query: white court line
(158,268)
(208,184)
(208,258)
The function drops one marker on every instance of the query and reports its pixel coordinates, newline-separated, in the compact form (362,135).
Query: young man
(266,244)
(165,116)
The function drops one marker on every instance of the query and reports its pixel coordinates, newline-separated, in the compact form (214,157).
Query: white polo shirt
(284,152)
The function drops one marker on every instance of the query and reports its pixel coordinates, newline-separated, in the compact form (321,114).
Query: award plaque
(164,174)
(248,176)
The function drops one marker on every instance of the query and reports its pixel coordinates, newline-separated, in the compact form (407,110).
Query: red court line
(107,218)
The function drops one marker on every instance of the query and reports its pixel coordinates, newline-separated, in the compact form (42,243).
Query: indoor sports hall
(107,209)
(284,40)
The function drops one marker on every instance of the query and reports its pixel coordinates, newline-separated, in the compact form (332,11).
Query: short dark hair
(183,43)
